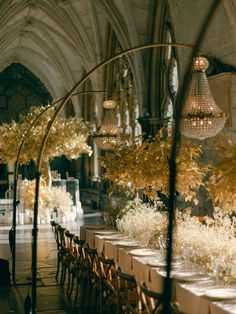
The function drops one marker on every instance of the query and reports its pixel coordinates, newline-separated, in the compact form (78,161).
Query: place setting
(105,232)
(126,243)
(111,236)
(221,294)
(143,252)
(95,227)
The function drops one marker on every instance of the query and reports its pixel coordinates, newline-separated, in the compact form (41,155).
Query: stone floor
(51,297)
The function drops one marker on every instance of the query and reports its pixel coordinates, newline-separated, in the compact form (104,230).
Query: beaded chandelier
(109,136)
(201,117)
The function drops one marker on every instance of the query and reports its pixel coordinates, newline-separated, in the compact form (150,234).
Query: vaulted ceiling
(60,40)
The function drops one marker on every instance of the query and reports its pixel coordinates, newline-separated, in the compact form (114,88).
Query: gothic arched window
(19,90)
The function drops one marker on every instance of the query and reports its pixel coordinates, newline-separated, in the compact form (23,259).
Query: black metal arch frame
(12,233)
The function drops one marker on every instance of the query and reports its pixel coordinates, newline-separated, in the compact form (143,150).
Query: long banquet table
(196,293)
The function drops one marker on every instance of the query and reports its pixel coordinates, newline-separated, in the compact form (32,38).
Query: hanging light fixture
(110,135)
(201,117)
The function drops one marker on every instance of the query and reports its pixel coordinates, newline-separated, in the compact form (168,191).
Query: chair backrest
(107,270)
(69,241)
(53,225)
(61,236)
(128,292)
(79,248)
(91,256)
(56,235)
(151,300)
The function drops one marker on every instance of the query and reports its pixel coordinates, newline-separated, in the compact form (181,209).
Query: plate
(105,232)
(221,294)
(143,252)
(157,263)
(189,277)
(111,237)
(126,243)
(162,263)
(94,226)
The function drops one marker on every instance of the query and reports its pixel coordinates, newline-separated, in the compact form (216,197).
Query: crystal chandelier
(110,135)
(201,117)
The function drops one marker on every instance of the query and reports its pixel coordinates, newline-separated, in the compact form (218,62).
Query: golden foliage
(146,167)
(222,183)
(68,137)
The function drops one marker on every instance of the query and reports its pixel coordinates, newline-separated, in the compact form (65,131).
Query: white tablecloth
(189,295)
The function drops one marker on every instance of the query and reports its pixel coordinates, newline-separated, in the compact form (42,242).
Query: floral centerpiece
(49,199)
(139,221)
(210,246)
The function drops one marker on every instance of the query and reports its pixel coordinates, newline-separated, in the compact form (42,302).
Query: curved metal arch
(98,67)
(44,142)
(16,172)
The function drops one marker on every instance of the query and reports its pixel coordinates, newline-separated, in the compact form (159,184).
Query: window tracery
(124,93)
(19,90)
(171,64)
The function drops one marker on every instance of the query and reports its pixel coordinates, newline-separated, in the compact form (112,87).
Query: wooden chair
(53,225)
(60,241)
(77,270)
(151,300)
(91,278)
(128,296)
(108,285)
(67,257)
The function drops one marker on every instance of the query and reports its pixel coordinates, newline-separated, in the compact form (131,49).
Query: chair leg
(88,293)
(77,287)
(101,299)
(58,266)
(96,295)
(63,272)
(64,276)
(69,270)
(81,282)
(72,283)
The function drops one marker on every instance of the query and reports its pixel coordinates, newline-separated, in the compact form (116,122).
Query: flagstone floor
(51,297)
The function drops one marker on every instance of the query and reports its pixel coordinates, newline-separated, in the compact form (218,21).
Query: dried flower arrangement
(49,199)
(210,246)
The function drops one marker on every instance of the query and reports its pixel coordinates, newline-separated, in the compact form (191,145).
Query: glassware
(188,255)
(162,243)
